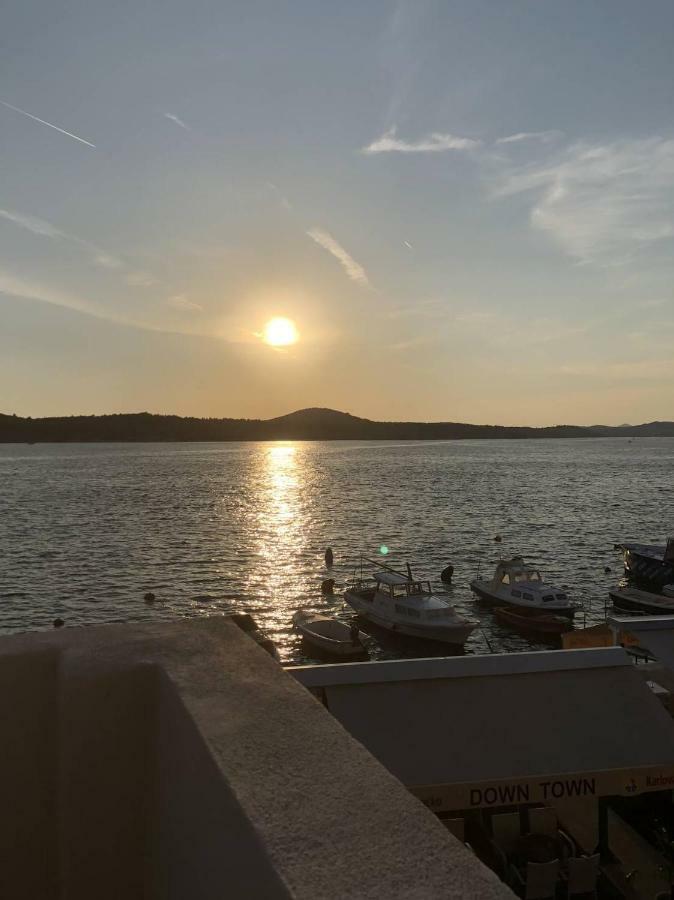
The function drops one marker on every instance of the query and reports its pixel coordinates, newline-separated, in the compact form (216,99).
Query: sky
(465,207)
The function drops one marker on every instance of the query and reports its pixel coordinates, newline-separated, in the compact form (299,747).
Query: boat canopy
(513,570)
(391,578)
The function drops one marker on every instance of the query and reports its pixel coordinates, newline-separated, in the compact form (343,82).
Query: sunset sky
(466,208)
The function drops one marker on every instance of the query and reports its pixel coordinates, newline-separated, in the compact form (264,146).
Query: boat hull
(454,635)
(645,564)
(341,648)
(641,602)
(488,598)
(539,624)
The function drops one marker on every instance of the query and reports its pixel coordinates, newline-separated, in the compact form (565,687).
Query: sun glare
(280,332)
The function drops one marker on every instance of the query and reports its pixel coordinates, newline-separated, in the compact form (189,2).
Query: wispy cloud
(352,268)
(141,279)
(280,196)
(32,224)
(543,136)
(182,302)
(106,261)
(422,309)
(177,120)
(601,203)
(42,228)
(631,370)
(435,142)
(28,115)
(30,290)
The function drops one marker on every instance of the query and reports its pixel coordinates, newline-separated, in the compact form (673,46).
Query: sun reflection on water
(282,526)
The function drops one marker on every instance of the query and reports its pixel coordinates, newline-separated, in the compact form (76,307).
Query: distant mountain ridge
(304,424)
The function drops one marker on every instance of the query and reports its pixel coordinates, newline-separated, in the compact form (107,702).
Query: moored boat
(648,564)
(541,623)
(407,606)
(632,599)
(516,585)
(330,636)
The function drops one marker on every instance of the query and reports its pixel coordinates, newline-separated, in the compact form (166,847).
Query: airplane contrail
(42,122)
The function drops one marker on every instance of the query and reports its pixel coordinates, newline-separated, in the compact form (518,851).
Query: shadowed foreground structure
(180,761)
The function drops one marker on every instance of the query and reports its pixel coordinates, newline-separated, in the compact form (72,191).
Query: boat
(407,606)
(648,564)
(517,585)
(330,635)
(542,623)
(632,599)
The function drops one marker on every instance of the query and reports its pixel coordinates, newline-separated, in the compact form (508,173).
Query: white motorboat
(407,606)
(330,635)
(517,585)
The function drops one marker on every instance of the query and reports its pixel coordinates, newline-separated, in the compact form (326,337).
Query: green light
(383,549)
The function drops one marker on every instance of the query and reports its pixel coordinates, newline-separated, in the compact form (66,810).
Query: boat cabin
(410,597)
(515,571)
(396,585)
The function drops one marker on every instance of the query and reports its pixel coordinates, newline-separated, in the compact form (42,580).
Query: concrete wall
(180,761)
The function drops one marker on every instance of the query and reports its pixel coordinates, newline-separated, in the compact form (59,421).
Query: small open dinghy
(330,635)
(526,621)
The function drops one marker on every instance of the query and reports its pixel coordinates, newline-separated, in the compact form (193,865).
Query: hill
(305,424)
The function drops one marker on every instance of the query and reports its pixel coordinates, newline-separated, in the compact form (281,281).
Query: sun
(280,332)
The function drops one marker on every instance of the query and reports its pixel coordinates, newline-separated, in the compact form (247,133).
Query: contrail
(42,122)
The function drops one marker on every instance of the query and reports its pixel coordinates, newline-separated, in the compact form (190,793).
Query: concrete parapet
(180,761)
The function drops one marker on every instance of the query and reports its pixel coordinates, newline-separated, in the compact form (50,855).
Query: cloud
(543,136)
(48,124)
(497,329)
(106,261)
(282,199)
(353,269)
(177,120)
(42,228)
(431,143)
(601,203)
(180,301)
(141,279)
(632,370)
(30,290)
(32,224)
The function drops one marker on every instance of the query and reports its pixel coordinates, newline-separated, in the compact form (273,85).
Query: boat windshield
(418,587)
(408,589)
(533,575)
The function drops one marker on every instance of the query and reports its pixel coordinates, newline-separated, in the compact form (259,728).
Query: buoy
(446,574)
(329,557)
(498,539)
(328,586)
(607,570)
(149,597)
(58,623)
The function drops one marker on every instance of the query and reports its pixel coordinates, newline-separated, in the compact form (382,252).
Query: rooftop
(180,760)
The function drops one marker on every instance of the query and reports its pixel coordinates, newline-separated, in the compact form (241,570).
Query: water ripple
(87,530)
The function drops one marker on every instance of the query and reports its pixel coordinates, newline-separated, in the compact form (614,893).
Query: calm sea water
(86,530)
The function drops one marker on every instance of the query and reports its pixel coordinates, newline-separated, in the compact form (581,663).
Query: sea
(86,530)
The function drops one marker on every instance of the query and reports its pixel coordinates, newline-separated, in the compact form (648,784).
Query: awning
(499,730)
